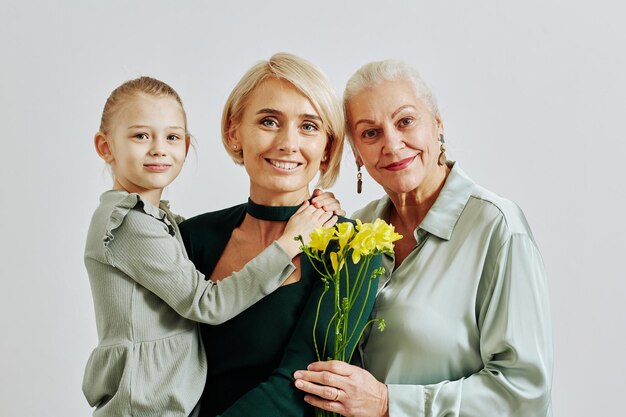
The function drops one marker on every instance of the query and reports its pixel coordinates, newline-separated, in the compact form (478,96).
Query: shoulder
(212,221)
(373,210)
(491,207)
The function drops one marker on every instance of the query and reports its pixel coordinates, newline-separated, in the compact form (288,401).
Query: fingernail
(297,375)
(299,384)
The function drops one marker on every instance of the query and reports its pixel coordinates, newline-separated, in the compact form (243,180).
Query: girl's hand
(343,388)
(302,224)
(327,201)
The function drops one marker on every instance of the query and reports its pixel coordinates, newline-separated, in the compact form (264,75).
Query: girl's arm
(147,250)
(278,396)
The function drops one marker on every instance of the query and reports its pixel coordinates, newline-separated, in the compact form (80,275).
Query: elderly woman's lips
(401,164)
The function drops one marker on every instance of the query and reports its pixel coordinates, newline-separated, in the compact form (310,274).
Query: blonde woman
(284,124)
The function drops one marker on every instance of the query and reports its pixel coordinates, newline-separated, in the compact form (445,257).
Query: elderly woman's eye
(369,133)
(405,121)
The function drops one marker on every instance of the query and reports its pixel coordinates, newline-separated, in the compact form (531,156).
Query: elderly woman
(466,303)
(284,124)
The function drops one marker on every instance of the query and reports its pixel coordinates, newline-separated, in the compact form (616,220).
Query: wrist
(289,245)
(384,406)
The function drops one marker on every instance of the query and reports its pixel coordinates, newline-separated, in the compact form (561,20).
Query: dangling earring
(442,154)
(359,180)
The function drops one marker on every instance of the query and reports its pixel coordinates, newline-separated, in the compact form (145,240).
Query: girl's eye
(141,136)
(173,137)
(369,134)
(269,122)
(310,127)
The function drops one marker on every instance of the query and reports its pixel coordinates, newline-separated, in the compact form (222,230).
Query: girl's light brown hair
(132,88)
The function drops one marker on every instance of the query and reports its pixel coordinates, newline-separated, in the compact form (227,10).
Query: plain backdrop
(532,96)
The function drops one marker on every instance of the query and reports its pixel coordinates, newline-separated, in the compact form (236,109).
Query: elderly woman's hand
(342,388)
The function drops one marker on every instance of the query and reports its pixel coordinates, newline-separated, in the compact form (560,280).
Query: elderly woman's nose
(392,140)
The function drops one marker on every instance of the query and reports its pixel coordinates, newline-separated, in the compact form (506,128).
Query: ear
(187,143)
(103,148)
(233,134)
(439,125)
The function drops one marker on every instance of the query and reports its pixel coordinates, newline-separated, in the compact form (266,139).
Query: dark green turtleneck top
(251,358)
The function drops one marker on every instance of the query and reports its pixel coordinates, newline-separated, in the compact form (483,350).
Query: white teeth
(284,165)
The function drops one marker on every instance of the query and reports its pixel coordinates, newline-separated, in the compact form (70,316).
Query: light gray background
(532,95)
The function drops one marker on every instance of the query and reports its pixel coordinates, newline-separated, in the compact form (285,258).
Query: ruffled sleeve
(141,241)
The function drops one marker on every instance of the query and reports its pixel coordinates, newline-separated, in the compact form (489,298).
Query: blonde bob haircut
(377,72)
(309,81)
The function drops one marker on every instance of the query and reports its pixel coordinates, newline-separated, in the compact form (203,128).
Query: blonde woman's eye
(269,122)
(310,127)
(141,136)
(173,137)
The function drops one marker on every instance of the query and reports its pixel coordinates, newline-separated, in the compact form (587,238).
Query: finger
(331,222)
(317,192)
(334,366)
(334,406)
(303,206)
(340,212)
(322,391)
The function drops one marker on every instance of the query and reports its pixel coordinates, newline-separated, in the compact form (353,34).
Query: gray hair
(389,70)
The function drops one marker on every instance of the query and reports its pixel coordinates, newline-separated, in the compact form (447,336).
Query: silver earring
(359,180)
(442,151)
(234,147)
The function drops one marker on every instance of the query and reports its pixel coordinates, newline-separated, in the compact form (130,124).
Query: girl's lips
(157,167)
(401,164)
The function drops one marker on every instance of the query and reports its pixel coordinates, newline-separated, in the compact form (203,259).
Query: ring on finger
(337,396)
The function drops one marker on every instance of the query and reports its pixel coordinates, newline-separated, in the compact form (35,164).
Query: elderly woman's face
(283,140)
(396,136)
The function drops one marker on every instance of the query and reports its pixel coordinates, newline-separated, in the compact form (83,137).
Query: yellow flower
(337,261)
(385,235)
(320,238)
(363,242)
(344,233)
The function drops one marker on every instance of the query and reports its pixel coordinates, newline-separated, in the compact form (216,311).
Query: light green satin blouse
(468,323)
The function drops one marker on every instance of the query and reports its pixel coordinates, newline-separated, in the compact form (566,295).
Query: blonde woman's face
(395,135)
(283,140)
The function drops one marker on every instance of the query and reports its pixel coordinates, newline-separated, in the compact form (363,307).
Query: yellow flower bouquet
(342,255)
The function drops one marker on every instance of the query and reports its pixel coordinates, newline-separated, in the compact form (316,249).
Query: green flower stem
(317,315)
(369,285)
(370,322)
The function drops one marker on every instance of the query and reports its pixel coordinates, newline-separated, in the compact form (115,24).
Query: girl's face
(396,137)
(146,145)
(283,141)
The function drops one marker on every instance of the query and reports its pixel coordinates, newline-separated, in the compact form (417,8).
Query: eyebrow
(148,127)
(394,114)
(280,113)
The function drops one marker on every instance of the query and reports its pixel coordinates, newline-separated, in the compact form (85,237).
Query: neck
(410,208)
(269,198)
(152,196)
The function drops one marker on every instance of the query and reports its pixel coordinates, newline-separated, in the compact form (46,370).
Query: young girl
(150,360)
